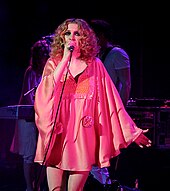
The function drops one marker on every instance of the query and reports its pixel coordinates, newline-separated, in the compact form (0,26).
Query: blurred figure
(115,58)
(78,111)
(25,136)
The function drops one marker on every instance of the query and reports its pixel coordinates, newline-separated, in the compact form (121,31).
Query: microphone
(71,48)
(48,37)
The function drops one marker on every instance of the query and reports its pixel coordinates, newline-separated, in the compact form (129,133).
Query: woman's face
(72,36)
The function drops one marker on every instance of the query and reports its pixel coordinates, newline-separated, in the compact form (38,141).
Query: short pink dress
(89,120)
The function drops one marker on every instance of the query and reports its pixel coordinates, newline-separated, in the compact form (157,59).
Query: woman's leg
(56,179)
(77,180)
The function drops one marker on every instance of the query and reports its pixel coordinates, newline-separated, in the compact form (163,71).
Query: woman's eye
(77,33)
(67,33)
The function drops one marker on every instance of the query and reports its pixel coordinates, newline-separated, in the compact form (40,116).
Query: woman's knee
(55,179)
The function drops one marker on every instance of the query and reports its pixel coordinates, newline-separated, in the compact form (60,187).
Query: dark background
(141,29)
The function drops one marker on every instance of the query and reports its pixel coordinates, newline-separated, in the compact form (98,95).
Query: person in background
(114,57)
(117,64)
(79,114)
(25,136)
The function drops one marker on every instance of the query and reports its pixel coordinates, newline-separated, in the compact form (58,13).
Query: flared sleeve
(45,109)
(118,129)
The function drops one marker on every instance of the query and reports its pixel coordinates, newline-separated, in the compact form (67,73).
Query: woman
(25,137)
(78,111)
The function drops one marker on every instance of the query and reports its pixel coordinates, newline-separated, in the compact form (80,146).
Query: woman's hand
(142,140)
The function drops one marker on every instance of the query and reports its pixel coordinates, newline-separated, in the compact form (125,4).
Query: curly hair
(88,42)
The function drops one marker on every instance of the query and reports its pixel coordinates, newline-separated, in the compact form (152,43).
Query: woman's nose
(72,36)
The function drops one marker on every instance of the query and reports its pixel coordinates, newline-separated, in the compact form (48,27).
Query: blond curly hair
(89,47)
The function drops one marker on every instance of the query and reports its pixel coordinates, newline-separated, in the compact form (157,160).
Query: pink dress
(91,124)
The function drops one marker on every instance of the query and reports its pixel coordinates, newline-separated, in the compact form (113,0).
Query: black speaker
(156,119)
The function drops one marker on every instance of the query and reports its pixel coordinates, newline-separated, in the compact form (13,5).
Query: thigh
(56,179)
(76,180)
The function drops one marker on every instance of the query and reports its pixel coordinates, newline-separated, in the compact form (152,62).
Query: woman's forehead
(72,26)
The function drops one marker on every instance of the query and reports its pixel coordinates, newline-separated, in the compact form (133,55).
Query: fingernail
(148,145)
